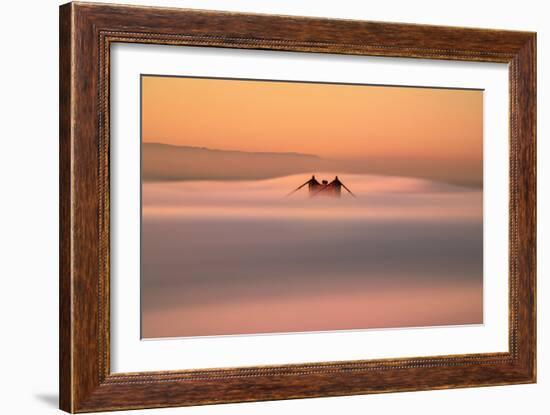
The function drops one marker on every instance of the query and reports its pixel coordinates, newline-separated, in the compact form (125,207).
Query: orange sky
(332,121)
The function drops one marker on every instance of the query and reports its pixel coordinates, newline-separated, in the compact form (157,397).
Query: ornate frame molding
(86,33)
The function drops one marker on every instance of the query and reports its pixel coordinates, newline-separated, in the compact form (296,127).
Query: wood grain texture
(86,33)
(65,137)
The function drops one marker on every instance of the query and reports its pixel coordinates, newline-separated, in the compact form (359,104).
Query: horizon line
(360,158)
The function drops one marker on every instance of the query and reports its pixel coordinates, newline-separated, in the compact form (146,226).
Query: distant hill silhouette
(168,162)
(163,162)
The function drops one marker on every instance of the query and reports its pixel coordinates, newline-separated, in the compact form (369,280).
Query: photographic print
(273,206)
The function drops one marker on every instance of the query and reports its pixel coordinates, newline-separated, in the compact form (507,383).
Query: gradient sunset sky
(329,120)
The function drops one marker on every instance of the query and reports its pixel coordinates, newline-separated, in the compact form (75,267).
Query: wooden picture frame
(86,33)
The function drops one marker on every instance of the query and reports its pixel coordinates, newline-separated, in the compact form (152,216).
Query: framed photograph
(258,207)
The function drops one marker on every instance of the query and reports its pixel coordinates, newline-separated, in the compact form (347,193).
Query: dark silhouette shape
(332,189)
(313,185)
